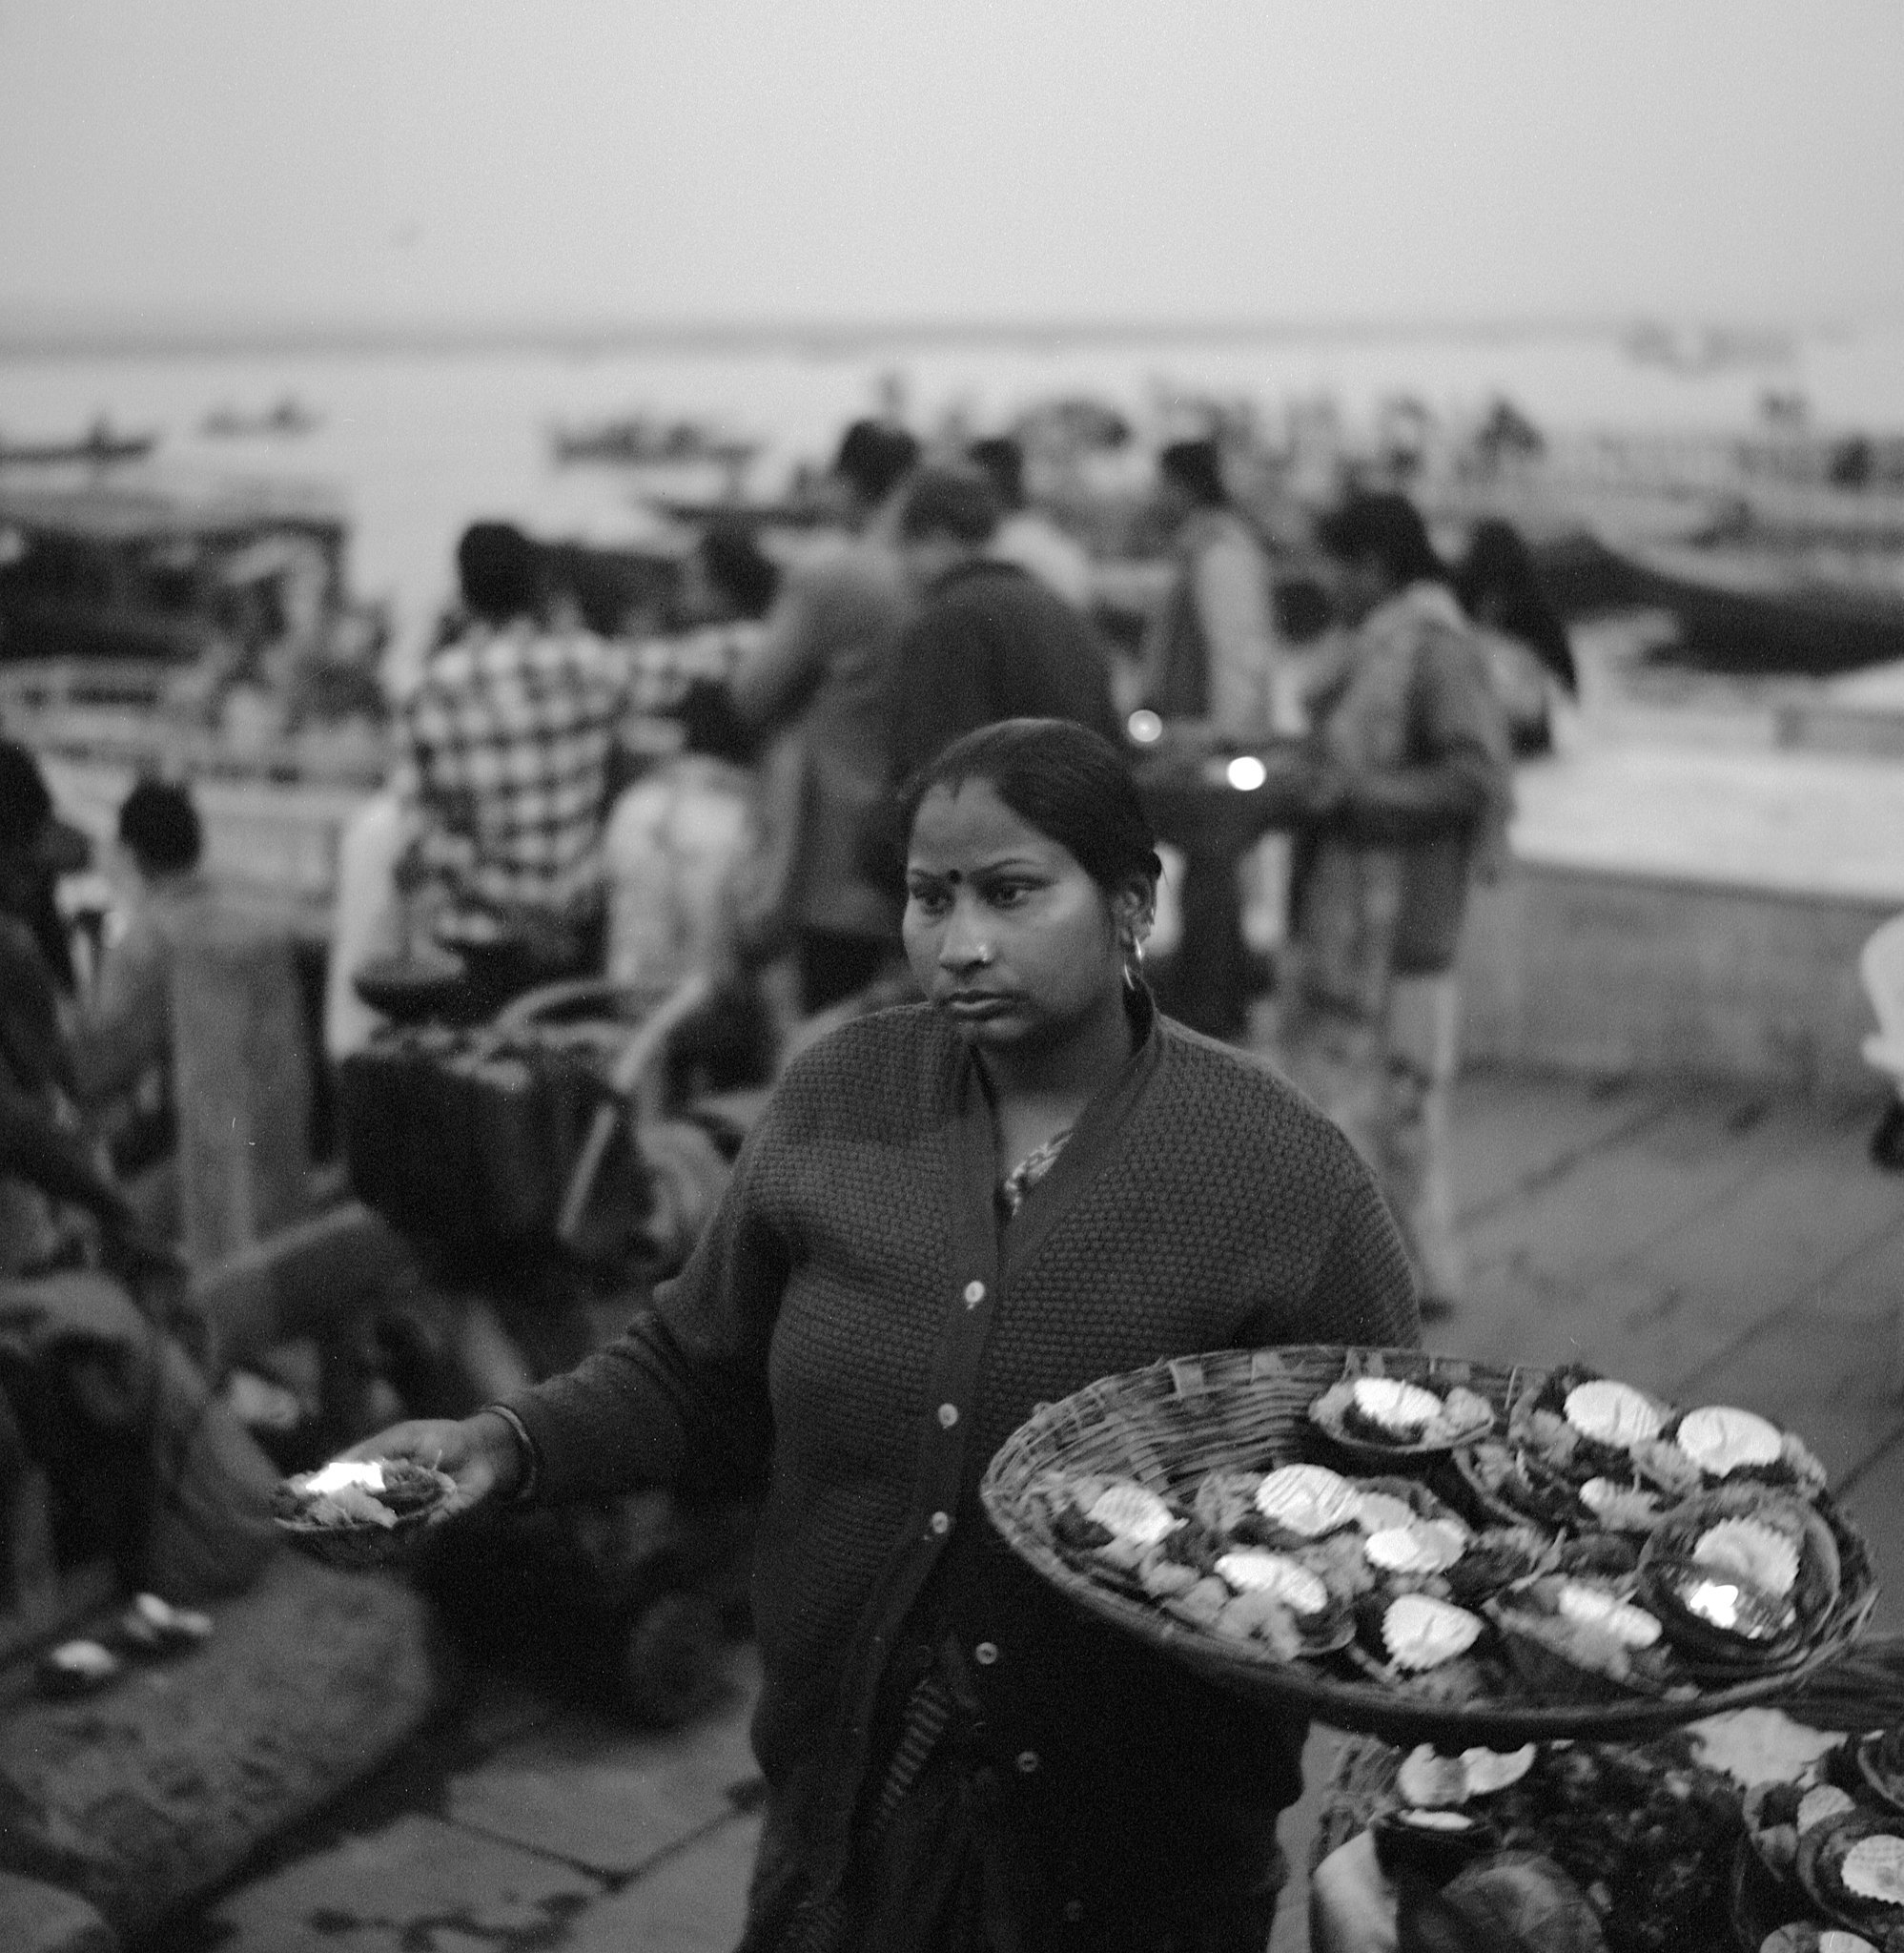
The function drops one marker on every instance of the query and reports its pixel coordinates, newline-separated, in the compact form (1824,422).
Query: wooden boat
(638,441)
(1739,608)
(100,445)
(290,416)
(703,511)
(155,567)
(203,630)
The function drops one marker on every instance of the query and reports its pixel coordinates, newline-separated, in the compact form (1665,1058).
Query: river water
(420,443)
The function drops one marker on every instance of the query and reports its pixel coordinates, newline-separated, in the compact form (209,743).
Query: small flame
(1713,1602)
(339,1472)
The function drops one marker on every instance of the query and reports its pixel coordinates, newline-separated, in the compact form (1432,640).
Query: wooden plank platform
(1730,1246)
(1717,1244)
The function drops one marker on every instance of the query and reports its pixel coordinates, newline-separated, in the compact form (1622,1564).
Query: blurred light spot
(1145,728)
(1246,773)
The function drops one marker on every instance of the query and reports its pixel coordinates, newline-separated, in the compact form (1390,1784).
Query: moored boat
(100,445)
(288,417)
(196,629)
(1739,608)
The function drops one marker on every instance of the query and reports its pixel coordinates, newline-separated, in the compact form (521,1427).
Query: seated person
(36,848)
(50,1173)
(122,1044)
(97,1389)
(508,749)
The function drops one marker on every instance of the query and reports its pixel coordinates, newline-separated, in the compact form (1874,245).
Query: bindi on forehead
(980,871)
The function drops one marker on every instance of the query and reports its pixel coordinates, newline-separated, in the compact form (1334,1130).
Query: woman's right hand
(480,1453)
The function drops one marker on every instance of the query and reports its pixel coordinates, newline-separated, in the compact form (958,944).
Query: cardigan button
(940,1524)
(948,1414)
(975,1294)
(986,1654)
(1028,1762)
(1073,1911)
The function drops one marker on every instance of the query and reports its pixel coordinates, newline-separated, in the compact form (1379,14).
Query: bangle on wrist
(528,1459)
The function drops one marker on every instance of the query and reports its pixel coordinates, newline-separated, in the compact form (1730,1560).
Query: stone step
(142,1797)
(419,1883)
(692,1902)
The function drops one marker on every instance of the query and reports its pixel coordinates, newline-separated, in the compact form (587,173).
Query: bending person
(951,1212)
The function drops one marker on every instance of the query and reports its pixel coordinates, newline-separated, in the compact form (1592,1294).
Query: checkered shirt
(506,745)
(661,669)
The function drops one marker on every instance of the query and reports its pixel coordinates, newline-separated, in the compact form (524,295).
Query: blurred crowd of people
(526,831)
(556,813)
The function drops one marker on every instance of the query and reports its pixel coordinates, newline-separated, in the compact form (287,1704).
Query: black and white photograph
(951,977)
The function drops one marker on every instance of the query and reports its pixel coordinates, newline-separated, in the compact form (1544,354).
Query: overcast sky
(840,160)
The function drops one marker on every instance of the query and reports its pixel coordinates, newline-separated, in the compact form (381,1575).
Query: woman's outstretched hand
(480,1453)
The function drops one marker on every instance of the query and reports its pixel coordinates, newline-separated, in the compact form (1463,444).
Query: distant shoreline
(51,337)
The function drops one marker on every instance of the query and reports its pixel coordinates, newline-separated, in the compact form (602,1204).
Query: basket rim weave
(1169,1422)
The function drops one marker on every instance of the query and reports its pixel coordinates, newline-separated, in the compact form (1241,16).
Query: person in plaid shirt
(508,748)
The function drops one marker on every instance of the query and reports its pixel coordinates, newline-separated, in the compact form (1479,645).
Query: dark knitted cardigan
(856,1316)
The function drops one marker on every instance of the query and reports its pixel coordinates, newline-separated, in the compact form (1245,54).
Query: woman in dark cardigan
(950,1213)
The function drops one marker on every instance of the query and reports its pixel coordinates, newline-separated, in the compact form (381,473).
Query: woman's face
(1005,930)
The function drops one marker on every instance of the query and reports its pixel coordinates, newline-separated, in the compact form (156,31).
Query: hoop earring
(1133,964)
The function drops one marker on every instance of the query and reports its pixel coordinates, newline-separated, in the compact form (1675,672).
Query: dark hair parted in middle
(1061,778)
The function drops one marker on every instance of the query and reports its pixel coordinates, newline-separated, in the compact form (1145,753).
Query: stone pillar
(241,1073)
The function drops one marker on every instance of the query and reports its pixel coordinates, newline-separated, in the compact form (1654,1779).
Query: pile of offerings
(1735,1835)
(358,1513)
(1645,1832)
(1553,1554)
(1822,1866)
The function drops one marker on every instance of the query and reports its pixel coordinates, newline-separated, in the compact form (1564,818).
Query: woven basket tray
(1168,1424)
